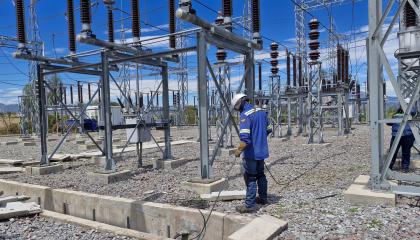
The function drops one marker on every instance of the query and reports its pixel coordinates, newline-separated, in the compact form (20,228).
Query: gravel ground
(47,229)
(308,193)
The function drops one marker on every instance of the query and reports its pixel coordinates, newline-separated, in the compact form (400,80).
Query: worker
(254,129)
(406,141)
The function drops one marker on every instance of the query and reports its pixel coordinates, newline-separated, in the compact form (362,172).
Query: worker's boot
(261,201)
(245,209)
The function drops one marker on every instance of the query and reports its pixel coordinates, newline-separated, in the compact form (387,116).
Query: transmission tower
(183,73)
(37,49)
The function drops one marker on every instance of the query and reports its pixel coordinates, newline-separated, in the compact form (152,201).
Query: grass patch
(375,223)
(353,210)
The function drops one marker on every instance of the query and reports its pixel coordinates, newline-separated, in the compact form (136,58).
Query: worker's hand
(240,149)
(238,153)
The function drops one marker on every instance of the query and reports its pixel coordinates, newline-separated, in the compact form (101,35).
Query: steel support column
(165,104)
(106,113)
(205,167)
(43,117)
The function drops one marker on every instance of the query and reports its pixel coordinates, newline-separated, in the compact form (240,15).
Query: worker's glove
(240,149)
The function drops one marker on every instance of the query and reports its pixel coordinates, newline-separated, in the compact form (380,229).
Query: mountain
(9,107)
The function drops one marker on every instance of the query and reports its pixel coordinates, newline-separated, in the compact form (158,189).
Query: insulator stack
(85,16)
(294,70)
(71,95)
(20,23)
(358,92)
(288,68)
(301,83)
(256,20)
(221,53)
(135,19)
(260,76)
(65,95)
(227,13)
(274,47)
(89,92)
(314,41)
(339,62)
(410,16)
(80,92)
(70,27)
(172,26)
(110,16)
(346,67)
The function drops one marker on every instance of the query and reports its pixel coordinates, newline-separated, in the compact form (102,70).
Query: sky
(277,23)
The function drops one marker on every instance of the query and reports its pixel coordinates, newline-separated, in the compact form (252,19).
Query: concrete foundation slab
(52,139)
(61,158)
(19,209)
(362,180)
(101,226)
(264,227)
(206,186)
(362,195)
(43,170)
(224,196)
(318,144)
(5,170)
(80,141)
(29,144)
(10,143)
(11,162)
(104,177)
(170,164)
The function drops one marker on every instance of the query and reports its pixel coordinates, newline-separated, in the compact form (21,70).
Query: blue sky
(277,23)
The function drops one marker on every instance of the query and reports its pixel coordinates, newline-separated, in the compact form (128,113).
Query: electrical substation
(125,120)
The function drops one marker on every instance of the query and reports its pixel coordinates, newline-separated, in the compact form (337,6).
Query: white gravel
(306,175)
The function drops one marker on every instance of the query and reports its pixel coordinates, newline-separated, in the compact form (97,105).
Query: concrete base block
(206,186)
(80,141)
(414,164)
(170,164)
(52,139)
(105,177)
(264,227)
(100,161)
(43,170)
(228,151)
(85,147)
(224,196)
(116,140)
(360,194)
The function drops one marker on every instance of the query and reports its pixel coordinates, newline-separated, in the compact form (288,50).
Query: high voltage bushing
(274,55)
(314,43)
(287,68)
(110,16)
(227,13)
(135,19)
(85,17)
(70,27)
(256,20)
(20,23)
(410,16)
(172,26)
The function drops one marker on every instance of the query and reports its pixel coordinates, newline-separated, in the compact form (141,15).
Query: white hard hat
(236,98)
(407,100)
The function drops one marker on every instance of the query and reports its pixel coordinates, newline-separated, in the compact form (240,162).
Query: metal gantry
(405,84)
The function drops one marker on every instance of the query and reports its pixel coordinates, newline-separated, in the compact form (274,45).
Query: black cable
(214,205)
